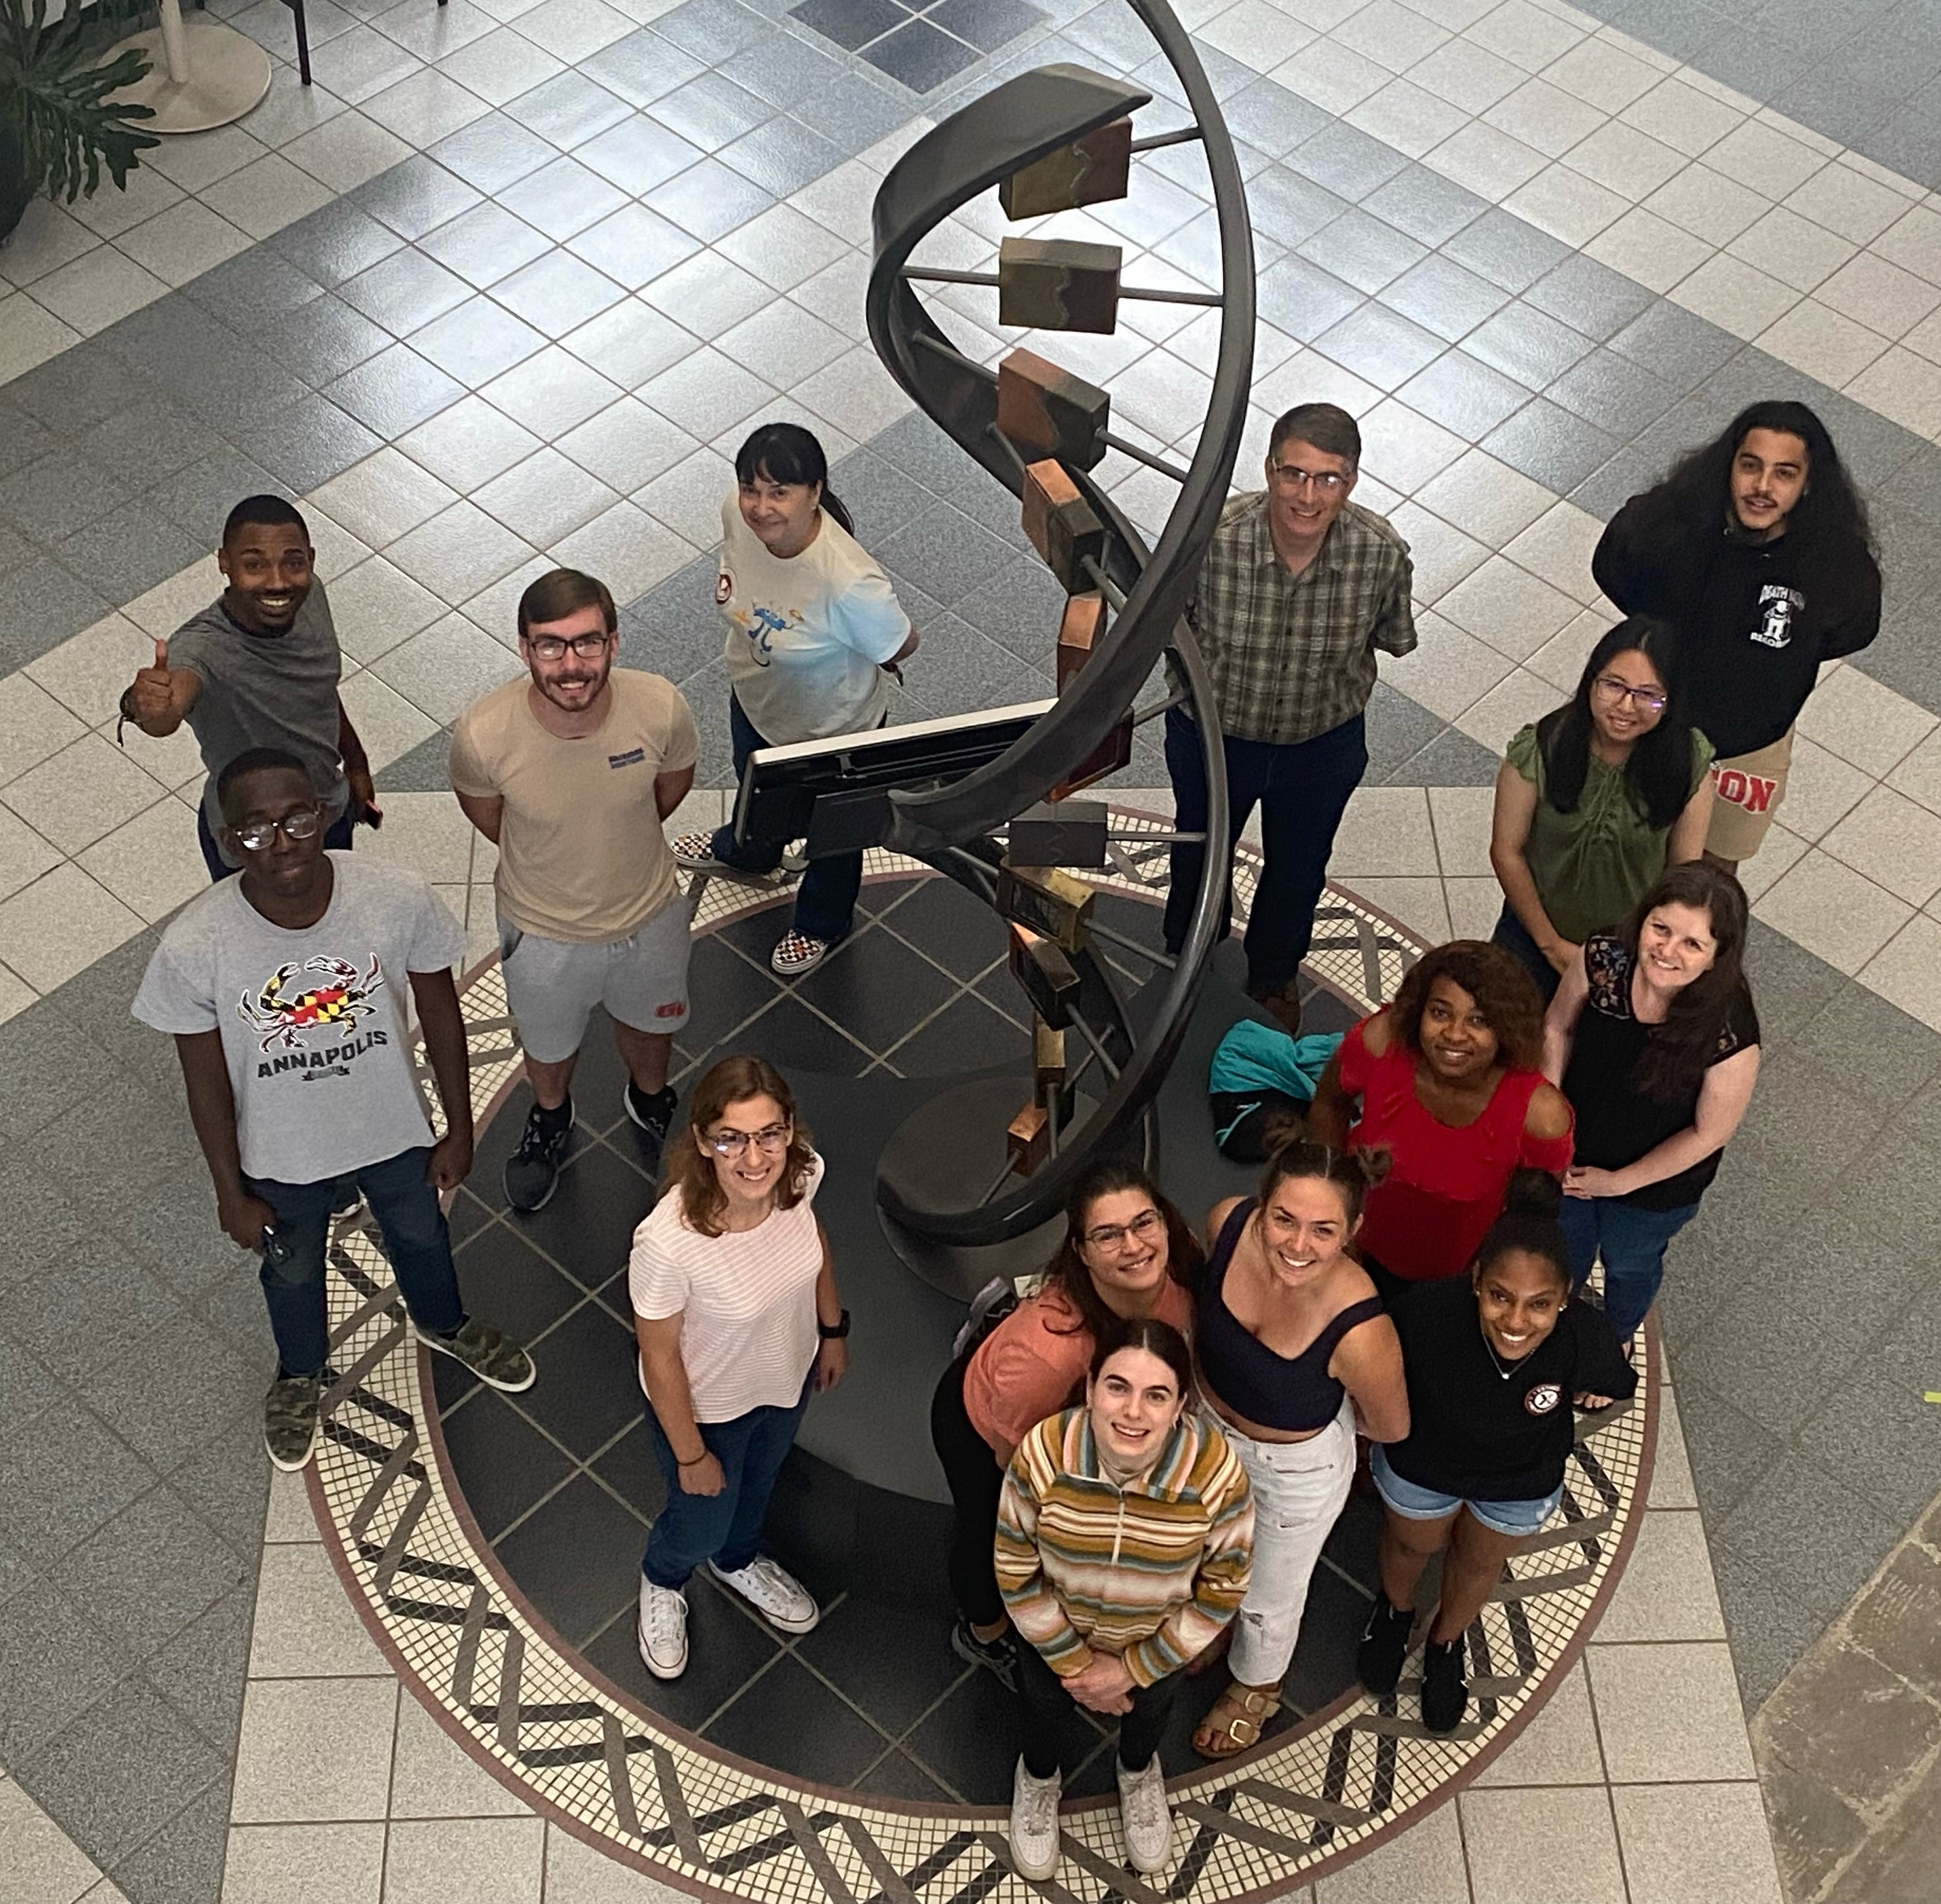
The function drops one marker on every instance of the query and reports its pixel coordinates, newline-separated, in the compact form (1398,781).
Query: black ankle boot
(1445,1694)
(1384,1646)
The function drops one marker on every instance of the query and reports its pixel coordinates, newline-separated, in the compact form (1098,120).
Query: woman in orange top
(1445,1080)
(1126,1252)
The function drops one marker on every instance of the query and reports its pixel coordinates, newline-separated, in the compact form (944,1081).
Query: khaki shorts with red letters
(1746,792)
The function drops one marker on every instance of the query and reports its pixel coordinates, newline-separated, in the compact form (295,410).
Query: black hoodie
(1755,620)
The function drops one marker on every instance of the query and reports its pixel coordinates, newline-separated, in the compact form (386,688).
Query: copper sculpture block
(1058,284)
(1044,901)
(1059,524)
(1028,1139)
(1080,631)
(1087,172)
(1046,411)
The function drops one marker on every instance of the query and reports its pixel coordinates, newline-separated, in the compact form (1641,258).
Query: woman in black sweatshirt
(1494,1361)
(1757,549)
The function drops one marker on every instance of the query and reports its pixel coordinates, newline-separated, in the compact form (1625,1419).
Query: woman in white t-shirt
(814,629)
(736,1312)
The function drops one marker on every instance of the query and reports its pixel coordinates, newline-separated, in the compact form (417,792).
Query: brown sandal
(1235,1722)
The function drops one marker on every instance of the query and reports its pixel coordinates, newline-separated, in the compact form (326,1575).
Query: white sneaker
(774,1592)
(661,1629)
(1148,1824)
(1034,1846)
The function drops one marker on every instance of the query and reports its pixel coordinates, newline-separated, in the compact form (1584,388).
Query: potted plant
(59,123)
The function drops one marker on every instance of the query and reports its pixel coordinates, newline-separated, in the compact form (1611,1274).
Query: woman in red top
(1447,1083)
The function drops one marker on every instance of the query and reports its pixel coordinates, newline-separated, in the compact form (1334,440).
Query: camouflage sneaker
(485,1351)
(292,1420)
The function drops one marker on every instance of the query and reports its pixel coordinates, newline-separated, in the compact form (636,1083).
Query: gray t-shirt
(315,1024)
(266,691)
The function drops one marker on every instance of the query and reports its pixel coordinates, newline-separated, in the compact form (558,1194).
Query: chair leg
(303,39)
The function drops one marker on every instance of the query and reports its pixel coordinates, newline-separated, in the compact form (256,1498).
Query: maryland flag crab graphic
(341,997)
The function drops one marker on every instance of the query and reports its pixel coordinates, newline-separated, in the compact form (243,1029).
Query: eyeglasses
(1649,700)
(1289,475)
(1111,1236)
(551,648)
(770,1142)
(258,836)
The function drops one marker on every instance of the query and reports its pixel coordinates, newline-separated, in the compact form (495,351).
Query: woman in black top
(1653,1038)
(1494,1361)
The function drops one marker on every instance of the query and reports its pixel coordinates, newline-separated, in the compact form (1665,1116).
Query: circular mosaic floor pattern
(577,1747)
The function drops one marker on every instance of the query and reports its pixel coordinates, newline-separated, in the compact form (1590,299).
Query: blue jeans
(1632,1243)
(725,1527)
(825,902)
(1302,791)
(415,1238)
(336,838)
(1513,935)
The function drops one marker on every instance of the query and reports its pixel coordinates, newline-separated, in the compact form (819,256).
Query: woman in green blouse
(1596,799)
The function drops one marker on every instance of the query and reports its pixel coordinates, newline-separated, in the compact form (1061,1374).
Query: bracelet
(695,1463)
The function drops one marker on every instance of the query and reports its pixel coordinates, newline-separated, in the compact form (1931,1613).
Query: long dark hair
(1528,1223)
(1155,1337)
(690,1167)
(1699,488)
(1676,1056)
(1067,1272)
(785,452)
(1657,775)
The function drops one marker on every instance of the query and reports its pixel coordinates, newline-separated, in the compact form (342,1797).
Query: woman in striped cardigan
(1124,1543)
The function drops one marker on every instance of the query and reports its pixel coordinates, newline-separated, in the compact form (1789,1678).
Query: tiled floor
(504,287)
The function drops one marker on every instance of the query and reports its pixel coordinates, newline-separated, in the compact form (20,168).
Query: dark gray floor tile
(183,1862)
(53,1665)
(988,25)
(1607,488)
(556,293)
(62,1474)
(853,112)
(1500,247)
(1346,160)
(713,30)
(785,70)
(322,339)
(493,152)
(849,23)
(23,439)
(39,1314)
(26,1386)
(73,392)
(227,1480)
(1730,1452)
(1839,105)
(201,1670)
(1380,345)
(41,605)
(781,156)
(945,553)
(642,67)
(1550,446)
(1874,448)
(1289,208)
(1111,34)
(1463,394)
(415,196)
(171,1406)
(1527,344)
(150,1572)
(127,554)
(1619,396)
(1398,729)
(404,293)
(1303,300)
(149,435)
(710,201)
(1902,1054)
(487,243)
(1770,1631)
(569,109)
(1366,252)
(1680,28)
(1590,297)
(711,111)
(1751,59)
(336,243)
(1426,205)
(60,494)
(1675,344)
(395,391)
(1832,1541)
(918,55)
(560,199)
(80,1777)
(1266,115)
(1442,297)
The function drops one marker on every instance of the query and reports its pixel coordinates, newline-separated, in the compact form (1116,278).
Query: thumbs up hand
(152,696)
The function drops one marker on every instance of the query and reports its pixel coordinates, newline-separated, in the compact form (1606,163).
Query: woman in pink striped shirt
(738,1321)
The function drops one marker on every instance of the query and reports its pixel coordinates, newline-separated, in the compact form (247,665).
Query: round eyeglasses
(770,1141)
(1111,1236)
(258,836)
(1647,700)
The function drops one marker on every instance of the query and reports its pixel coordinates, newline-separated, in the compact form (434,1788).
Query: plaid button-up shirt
(1293,656)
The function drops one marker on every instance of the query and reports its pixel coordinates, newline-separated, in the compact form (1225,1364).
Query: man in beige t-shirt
(570,775)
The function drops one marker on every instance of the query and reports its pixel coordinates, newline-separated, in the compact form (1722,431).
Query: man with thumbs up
(259,667)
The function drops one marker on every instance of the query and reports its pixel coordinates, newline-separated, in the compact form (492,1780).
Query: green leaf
(55,98)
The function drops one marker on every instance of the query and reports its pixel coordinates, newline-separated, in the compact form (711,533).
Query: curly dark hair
(1680,1051)
(1658,775)
(690,1167)
(1506,993)
(1830,509)
(1067,1272)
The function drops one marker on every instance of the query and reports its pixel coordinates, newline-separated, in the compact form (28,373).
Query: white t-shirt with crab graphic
(316,1024)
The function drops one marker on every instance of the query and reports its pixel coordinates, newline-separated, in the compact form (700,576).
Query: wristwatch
(833,1331)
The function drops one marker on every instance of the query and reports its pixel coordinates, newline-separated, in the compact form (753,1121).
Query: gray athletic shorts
(552,985)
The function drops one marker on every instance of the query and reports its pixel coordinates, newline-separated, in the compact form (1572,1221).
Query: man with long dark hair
(1756,548)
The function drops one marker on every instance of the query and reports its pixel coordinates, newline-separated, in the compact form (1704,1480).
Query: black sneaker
(654,1114)
(532,1171)
(1384,1647)
(1445,1696)
(996,1656)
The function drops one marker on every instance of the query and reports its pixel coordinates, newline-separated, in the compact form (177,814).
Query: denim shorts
(1514,1518)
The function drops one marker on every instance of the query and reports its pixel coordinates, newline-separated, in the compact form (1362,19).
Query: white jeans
(1300,1489)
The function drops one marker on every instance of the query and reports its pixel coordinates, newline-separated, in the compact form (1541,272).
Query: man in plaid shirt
(1299,588)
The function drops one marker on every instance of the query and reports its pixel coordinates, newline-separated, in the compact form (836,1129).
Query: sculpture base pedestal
(228,75)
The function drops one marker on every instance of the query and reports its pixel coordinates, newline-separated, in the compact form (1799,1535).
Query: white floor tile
(164,607)
(47,237)
(280,1864)
(1449,671)
(60,925)
(432,1777)
(1736,296)
(545,498)
(1489,163)
(384,497)
(1879,295)
(1474,906)
(152,863)
(42,1865)
(1558,1747)
(1418,905)
(1708,204)
(1517,699)
(1579,1864)
(1834,912)
(1486,499)
(1461,818)
(88,672)
(1468,77)
(1894,842)
(1557,547)
(113,209)
(387,723)
(99,287)
(687,497)
(306,1626)
(183,242)
(1766,160)
(1544,117)
(376,606)
(484,1860)
(1560,660)
(627,548)
(1624,160)
(1425,1866)
(86,790)
(1649,248)
(1681,117)
(1666,1591)
(575,29)
(425,107)
(1919,775)
(1906,971)
(1685,1841)
(577,1874)
(267,194)
(1527,36)
(1903,387)
(1334,77)
(314,1750)
(1506,606)
(24,855)
(1913,242)
(1792,248)
(1820,789)
(289,1517)
(1779,852)
(1845,200)
(195,160)
(444,669)
(459,551)
(1820,341)
(1386,830)
(1405,116)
